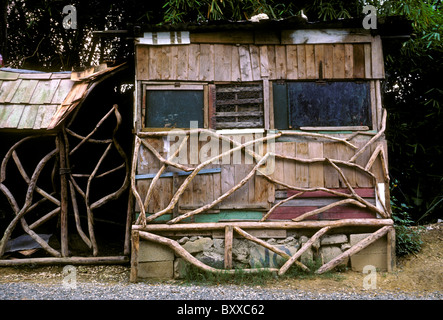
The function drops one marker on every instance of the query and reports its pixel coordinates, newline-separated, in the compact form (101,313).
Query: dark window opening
(174,108)
(321,104)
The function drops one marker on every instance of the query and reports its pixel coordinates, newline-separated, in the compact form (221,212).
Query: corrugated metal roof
(30,99)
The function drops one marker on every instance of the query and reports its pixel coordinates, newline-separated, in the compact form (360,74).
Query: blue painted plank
(180,173)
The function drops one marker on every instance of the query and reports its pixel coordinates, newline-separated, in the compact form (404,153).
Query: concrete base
(375,254)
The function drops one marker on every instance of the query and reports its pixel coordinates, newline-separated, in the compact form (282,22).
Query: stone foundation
(158,261)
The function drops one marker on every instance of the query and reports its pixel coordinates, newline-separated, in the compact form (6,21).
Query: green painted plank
(228,215)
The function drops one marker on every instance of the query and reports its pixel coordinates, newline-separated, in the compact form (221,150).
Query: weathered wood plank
(14,117)
(338,61)
(291,62)
(193,61)
(50,111)
(182,62)
(206,62)
(289,166)
(142,62)
(368,62)
(7,90)
(311,69)
(358,61)
(378,70)
(328,61)
(362,179)
(349,61)
(235,64)
(255,62)
(301,61)
(44,92)
(301,169)
(24,92)
(62,91)
(27,119)
(320,60)
(264,68)
(330,174)
(316,170)
(280,62)
(245,63)
(222,62)
(271,62)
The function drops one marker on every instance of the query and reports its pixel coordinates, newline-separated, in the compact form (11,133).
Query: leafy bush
(408,238)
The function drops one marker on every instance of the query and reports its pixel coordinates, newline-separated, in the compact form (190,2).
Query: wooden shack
(260,131)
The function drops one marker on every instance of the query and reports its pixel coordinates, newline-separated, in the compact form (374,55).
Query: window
(317,105)
(239,105)
(173,106)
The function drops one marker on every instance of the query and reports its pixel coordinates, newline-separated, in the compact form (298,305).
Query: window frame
(280,115)
(172,86)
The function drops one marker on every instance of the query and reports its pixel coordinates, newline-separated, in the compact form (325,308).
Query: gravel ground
(162,291)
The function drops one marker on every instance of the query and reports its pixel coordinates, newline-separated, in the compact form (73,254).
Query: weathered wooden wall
(230,62)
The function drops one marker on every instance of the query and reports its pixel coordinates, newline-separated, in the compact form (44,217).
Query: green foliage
(407,236)
(234,10)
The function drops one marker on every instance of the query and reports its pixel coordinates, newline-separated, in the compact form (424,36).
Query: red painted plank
(338,212)
(362,192)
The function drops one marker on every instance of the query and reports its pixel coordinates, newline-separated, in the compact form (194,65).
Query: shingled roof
(36,100)
(29,99)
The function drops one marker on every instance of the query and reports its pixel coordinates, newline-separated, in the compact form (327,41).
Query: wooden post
(228,246)
(63,197)
(134,256)
(391,250)
(127,244)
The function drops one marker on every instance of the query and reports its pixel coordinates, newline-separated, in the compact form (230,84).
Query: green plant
(408,238)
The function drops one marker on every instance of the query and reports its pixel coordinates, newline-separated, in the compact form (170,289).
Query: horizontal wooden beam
(265,225)
(69,260)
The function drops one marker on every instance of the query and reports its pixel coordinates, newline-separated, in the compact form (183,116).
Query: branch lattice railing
(144,225)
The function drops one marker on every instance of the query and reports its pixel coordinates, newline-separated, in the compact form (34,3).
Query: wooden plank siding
(259,194)
(250,62)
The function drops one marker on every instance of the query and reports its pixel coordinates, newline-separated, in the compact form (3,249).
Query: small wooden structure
(43,147)
(249,127)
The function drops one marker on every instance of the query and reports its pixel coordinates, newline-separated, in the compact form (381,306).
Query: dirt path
(418,273)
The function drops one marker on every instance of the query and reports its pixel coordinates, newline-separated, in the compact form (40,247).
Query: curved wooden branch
(268,246)
(374,138)
(319,135)
(178,249)
(77,216)
(181,189)
(28,200)
(38,239)
(354,249)
(327,207)
(354,194)
(92,132)
(142,215)
(159,173)
(25,176)
(163,160)
(223,196)
(265,217)
(304,247)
